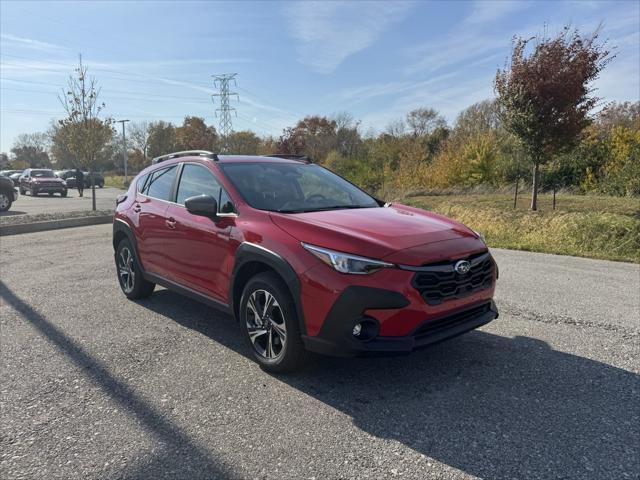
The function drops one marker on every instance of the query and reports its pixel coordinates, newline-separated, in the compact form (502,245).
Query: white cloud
(330,32)
(13,40)
(487,11)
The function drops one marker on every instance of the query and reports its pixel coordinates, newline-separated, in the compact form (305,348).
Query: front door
(201,253)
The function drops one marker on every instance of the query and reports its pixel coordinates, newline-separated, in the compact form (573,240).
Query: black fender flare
(249,252)
(120,226)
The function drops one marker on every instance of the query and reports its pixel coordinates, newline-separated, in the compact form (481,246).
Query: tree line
(539,131)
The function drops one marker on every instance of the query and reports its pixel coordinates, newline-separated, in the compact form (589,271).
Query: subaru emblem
(462,267)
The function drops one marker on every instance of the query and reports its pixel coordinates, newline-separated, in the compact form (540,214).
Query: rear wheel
(21,190)
(132,282)
(269,323)
(63,193)
(5,201)
(51,194)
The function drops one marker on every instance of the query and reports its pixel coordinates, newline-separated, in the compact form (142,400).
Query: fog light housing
(365,329)
(357,329)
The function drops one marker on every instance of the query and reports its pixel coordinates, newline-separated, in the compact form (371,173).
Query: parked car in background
(14,175)
(41,180)
(8,193)
(302,258)
(69,176)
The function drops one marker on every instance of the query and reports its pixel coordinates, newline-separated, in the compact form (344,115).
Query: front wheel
(63,193)
(51,194)
(5,202)
(269,323)
(132,283)
(21,190)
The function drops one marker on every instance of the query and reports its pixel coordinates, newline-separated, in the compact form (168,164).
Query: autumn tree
(544,93)
(162,138)
(243,143)
(30,150)
(194,134)
(84,132)
(139,133)
(423,121)
(314,136)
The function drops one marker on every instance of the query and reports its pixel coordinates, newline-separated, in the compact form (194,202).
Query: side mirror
(203,205)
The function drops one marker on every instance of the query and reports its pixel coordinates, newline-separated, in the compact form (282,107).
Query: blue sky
(376,60)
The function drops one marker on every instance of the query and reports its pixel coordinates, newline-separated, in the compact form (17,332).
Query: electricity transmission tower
(221,82)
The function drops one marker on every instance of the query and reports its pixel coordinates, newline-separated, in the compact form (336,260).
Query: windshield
(42,173)
(294,187)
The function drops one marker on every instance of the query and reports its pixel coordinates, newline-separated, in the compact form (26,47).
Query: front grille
(439,282)
(434,327)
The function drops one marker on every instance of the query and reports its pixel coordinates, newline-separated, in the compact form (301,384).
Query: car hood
(398,232)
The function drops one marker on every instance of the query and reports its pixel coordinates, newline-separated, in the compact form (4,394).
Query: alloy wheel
(4,201)
(265,324)
(126,269)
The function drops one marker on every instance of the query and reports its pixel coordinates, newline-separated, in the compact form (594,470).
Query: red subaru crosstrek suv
(303,259)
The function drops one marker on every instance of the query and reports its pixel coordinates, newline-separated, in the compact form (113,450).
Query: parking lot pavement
(95,386)
(25,204)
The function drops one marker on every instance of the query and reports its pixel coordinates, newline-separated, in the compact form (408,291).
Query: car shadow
(488,405)
(11,213)
(179,455)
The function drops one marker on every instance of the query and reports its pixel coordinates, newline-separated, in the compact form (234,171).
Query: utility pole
(124,152)
(221,82)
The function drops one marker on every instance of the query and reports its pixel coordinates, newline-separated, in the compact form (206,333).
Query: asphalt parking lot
(95,386)
(43,203)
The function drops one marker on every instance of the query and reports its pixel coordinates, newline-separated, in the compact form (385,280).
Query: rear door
(150,207)
(200,250)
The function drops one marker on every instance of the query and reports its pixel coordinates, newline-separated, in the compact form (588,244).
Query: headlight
(345,263)
(480,236)
(64,184)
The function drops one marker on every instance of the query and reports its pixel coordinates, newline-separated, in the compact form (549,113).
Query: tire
(132,283)
(101,185)
(21,190)
(275,356)
(63,193)
(5,201)
(51,194)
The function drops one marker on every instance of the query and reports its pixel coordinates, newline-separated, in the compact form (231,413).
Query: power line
(222,83)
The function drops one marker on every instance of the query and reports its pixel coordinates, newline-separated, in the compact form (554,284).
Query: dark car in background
(41,180)
(8,193)
(69,176)
(14,175)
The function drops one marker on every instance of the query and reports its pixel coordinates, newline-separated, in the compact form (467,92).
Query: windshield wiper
(322,209)
(340,207)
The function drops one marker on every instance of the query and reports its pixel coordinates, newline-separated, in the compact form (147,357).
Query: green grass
(585,226)
(116,181)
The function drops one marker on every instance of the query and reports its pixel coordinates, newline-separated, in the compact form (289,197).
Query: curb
(54,224)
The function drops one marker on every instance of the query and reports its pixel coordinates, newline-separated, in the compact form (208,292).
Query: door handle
(171,222)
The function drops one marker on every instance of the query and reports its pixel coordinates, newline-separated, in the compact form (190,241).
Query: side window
(160,183)
(197,180)
(225,205)
(141,183)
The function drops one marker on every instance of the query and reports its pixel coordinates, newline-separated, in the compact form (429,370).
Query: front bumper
(48,188)
(336,338)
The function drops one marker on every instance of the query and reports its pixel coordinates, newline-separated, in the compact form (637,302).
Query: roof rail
(288,156)
(186,153)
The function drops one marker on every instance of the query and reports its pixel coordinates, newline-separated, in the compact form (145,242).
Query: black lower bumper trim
(429,333)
